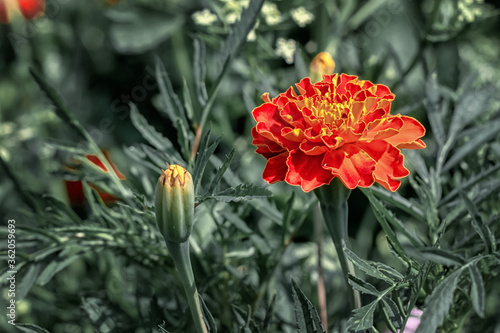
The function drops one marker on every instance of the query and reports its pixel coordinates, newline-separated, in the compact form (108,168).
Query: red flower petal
(389,163)
(276,168)
(307,171)
(32,8)
(351,165)
(408,134)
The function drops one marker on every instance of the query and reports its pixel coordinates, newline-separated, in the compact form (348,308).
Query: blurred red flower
(338,127)
(29,9)
(74,189)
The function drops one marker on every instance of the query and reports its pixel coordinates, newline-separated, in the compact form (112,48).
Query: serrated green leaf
(365,266)
(199,69)
(172,107)
(392,311)
(31,328)
(477,291)
(439,256)
(148,132)
(470,182)
(306,315)
(362,286)
(239,32)
(188,103)
(437,305)
(479,136)
(418,163)
(241,192)
(467,110)
(479,226)
(362,318)
(220,173)
(388,271)
(384,216)
(183,139)
(202,158)
(400,202)
(62,109)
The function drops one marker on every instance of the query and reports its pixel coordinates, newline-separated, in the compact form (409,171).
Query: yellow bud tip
(322,64)
(175,175)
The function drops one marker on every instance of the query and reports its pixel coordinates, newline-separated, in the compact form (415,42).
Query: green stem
(333,204)
(182,261)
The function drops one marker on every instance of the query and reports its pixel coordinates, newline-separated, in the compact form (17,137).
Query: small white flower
(271,13)
(285,48)
(252,36)
(204,17)
(302,16)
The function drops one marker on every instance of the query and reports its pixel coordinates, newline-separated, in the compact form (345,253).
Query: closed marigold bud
(174,204)
(322,64)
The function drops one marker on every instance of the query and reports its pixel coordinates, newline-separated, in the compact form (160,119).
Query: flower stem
(182,261)
(333,204)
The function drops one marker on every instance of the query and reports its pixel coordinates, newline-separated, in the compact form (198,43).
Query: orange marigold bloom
(338,127)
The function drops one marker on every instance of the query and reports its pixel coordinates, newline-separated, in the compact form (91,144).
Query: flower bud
(322,64)
(174,204)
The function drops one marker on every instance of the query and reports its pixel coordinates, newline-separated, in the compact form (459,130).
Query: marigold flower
(28,8)
(338,127)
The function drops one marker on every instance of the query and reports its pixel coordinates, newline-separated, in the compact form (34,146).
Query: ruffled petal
(351,165)
(408,135)
(276,168)
(307,171)
(389,163)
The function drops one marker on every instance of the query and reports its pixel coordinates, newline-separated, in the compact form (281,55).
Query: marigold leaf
(148,132)
(28,280)
(363,286)
(365,266)
(478,224)
(400,202)
(384,215)
(478,136)
(220,172)
(239,32)
(207,315)
(199,69)
(241,192)
(392,311)
(439,256)
(202,158)
(171,106)
(438,303)
(477,291)
(362,319)
(306,315)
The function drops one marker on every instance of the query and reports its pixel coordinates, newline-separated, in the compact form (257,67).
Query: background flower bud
(174,204)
